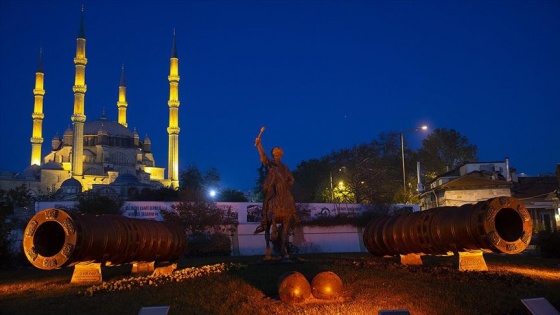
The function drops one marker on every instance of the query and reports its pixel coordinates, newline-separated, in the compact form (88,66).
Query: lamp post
(332,191)
(331,181)
(402,151)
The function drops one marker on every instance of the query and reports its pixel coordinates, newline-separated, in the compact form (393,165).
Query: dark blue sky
(320,75)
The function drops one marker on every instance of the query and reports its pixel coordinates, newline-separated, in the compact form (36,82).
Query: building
(479,181)
(97,154)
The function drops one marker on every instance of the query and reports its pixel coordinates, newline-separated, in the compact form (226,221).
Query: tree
(191,178)
(19,196)
(445,149)
(205,223)
(96,203)
(258,194)
(194,181)
(198,214)
(367,173)
(6,209)
(231,195)
(364,173)
(161,194)
(311,178)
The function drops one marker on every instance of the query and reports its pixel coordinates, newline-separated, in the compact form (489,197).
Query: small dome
(68,131)
(30,172)
(71,182)
(52,165)
(147,140)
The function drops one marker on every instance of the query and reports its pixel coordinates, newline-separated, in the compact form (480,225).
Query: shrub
(204,245)
(549,244)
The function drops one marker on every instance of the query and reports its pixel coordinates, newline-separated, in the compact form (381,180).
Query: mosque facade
(100,154)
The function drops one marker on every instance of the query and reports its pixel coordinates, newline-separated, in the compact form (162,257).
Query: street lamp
(212,193)
(402,151)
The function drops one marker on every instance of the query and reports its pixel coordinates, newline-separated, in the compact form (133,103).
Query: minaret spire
(80,87)
(173,129)
(174,46)
(121,103)
(81,30)
(38,115)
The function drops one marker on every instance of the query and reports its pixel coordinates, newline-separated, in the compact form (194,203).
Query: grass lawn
(370,284)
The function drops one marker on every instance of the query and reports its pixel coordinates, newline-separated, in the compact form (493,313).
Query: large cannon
(55,238)
(501,225)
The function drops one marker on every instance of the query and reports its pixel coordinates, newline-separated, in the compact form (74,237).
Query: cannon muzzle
(55,238)
(501,225)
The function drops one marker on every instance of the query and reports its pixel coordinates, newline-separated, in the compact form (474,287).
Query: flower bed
(133,283)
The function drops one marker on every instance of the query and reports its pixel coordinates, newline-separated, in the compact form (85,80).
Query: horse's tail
(295,217)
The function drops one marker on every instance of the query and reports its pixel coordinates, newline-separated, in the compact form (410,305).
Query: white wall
(335,239)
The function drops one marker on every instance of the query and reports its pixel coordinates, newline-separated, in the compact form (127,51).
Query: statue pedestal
(140,268)
(472,261)
(87,273)
(411,260)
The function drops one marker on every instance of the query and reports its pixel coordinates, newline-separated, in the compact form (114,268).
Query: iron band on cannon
(55,238)
(501,225)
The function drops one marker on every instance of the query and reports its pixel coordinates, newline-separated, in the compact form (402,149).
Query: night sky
(320,75)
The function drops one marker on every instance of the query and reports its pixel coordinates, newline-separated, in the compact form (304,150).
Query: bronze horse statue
(278,205)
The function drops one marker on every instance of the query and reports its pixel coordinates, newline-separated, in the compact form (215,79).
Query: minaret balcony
(173,130)
(80,61)
(78,118)
(174,78)
(173,103)
(38,115)
(36,140)
(38,92)
(79,88)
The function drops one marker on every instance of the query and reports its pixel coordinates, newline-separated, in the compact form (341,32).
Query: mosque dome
(109,127)
(126,179)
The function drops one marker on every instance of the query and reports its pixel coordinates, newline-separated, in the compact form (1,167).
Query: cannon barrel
(55,238)
(501,225)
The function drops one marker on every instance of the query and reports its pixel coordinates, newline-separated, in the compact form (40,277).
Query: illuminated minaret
(79,118)
(39,92)
(122,104)
(173,129)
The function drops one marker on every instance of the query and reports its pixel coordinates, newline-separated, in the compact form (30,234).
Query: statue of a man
(278,200)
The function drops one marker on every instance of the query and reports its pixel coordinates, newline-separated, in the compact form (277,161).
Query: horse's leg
(267,255)
(274,228)
(285,229)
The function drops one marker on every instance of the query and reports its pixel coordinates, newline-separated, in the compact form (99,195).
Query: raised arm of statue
(264,158)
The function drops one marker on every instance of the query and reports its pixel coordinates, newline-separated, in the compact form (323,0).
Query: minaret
(37,134)
(173,129)
(78,118)
(122,104)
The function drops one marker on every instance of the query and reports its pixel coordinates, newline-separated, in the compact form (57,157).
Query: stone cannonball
(326,286)
(293,288)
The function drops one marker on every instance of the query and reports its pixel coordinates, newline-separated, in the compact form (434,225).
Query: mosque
(98,155)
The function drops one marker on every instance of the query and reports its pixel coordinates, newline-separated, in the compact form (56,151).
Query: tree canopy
(372,172)
(443,150)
